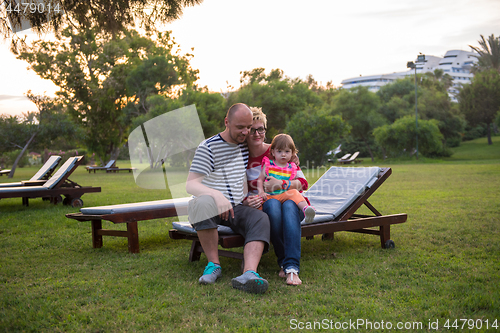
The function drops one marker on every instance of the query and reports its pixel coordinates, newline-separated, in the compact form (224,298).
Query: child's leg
(309,211)
(303,204)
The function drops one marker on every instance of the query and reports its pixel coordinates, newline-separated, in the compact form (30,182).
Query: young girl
(280,167)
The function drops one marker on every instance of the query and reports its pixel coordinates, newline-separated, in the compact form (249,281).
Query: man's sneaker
(309,213)
(211,273)
(250,282)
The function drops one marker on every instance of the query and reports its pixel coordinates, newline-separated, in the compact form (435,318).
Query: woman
(285,218)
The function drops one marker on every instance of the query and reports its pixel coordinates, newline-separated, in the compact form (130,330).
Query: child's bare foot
(292,279)
(282,274)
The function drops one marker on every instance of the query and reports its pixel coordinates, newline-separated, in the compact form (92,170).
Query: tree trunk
(489,134)
(369,149)
(11,174)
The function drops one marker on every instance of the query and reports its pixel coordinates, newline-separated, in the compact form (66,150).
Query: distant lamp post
(412,65)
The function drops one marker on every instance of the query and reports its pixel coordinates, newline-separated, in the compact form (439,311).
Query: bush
(10,158)
(475,132)
(124,153)
(399,138)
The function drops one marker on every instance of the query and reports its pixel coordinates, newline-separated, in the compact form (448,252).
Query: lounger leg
(196,250)
(385,234)
(133,237)
(328,236)
(96,238)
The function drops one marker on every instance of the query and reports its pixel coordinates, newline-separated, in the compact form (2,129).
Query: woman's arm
(273,184)
(260,184)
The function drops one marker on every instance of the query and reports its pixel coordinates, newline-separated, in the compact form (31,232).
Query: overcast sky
(332,40)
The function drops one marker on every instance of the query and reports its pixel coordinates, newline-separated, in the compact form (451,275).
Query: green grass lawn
(446,264)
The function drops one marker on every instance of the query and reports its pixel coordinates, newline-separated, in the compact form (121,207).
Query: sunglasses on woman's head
(259,130)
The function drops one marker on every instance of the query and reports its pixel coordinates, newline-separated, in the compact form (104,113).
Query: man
(217,179)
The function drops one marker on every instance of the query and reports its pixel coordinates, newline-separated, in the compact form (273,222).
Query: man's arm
(196,188)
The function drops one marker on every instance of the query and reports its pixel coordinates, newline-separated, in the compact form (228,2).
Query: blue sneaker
(211,274)
(250,282)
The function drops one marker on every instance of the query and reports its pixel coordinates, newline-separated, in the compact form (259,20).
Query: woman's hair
(283,141)
(258,115)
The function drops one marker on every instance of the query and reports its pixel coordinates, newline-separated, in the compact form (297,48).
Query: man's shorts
(249,222)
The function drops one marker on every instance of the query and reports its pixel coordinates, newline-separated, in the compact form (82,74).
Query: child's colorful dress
(287,173)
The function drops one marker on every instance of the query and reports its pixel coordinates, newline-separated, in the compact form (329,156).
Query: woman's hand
(254,201)
(272,184)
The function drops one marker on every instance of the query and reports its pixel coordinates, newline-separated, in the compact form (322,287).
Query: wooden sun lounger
(120,169)
(348,160)
(110,164)
(41,176)
(132,213)
(4,171)
(54,188)
(347,221)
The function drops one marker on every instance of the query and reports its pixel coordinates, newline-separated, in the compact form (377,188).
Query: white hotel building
(456,63)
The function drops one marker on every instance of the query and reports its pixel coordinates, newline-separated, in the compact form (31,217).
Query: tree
(110,17)
(359,108)
(488,54)
(398,100)
(280,97)
(315,132)
(398,139)
(480,100)
(36,129)
(104,83)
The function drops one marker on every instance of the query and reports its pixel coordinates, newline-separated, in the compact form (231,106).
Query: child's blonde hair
(283,141)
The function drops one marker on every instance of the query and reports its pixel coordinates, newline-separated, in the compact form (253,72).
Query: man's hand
(224,207)
(196,188)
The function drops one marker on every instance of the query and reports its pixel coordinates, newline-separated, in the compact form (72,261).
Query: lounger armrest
(34,182)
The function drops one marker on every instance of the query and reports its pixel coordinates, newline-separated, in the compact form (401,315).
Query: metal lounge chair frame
(54,188)
(132,213)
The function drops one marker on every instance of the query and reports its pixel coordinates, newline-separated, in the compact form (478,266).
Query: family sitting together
(254,188)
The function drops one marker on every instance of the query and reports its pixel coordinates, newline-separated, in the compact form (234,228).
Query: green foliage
(398,100)
(358,107)
(10,157)
(402,88)
(105,82)
(107,16)
(211,109)
(480,100)
(315,132)
(279,97)
(489,54)
(399,138)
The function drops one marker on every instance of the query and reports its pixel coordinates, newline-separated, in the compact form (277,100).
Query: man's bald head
(237,108)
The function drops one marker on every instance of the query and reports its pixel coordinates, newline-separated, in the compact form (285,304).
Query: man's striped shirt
(224,166)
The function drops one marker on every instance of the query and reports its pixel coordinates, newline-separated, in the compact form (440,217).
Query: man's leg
(202,216)
(253,224)
(252,254)
(209,239)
